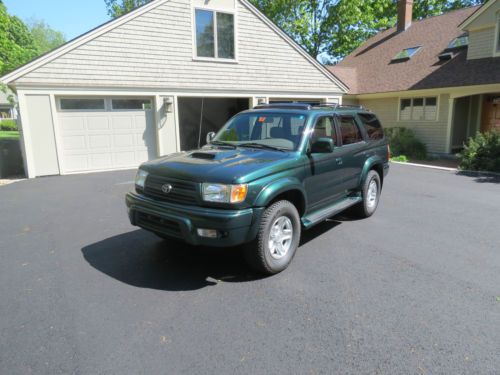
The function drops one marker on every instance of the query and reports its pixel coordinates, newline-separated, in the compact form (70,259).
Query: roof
(370,69)
(112,24)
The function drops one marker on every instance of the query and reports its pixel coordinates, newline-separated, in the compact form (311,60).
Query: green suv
(265,176)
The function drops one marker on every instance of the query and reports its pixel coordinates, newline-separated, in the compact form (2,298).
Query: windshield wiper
(260,145)
(219,143)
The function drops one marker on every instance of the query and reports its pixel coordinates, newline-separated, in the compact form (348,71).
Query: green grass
(8,135)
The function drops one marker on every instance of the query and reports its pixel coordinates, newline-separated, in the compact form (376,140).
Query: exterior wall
(155,50)
(481,43)
(487,18)
(433,133)
(43,146)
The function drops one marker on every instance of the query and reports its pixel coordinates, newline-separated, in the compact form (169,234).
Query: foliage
(403,141)
(400,158)
(117,8)
(481,153)
(229,136)
(46,39)
(9,135)
(8,125)
(17,45)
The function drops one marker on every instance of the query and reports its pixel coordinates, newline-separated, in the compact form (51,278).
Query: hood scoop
(203,155)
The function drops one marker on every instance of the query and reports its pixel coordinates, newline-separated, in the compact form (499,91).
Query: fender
(369,163)
(277,187)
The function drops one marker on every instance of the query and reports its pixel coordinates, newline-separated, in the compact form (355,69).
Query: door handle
(339,161)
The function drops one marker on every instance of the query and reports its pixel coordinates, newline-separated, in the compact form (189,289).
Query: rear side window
(372,126)
(349,131)
(324,128)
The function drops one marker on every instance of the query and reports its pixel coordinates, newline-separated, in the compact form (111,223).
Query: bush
(403,141)
(481,153)
(8,125)
(400,158)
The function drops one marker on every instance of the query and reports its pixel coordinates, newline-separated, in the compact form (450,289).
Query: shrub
(403,141)
(481,153)
(8,125)
(400,158)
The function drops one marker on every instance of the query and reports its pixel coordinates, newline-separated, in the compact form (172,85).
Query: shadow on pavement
(141,259)
(482,177)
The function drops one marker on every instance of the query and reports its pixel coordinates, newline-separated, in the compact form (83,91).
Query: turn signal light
(239,193)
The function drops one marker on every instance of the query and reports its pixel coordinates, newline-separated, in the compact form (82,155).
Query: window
(461,41)
(131,104)
(498,35)
(418,109)
(324,128)
(406,54)
(214,34)
(372,126)
(82,104)
(349,131)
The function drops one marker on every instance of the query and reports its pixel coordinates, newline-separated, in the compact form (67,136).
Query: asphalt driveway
(415,289)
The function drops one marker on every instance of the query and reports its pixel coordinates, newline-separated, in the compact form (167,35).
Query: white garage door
(105,133)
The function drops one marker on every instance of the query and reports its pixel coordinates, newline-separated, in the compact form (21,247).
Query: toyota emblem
(167,188)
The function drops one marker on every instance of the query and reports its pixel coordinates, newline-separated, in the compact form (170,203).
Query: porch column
(451,114)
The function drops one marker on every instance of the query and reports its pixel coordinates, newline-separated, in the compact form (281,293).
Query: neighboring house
(139,86)
(7,110)
(438,76)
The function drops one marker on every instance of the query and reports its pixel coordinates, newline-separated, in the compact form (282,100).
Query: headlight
(140,178)
(224,193)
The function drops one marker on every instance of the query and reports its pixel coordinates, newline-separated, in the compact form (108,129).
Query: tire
(371,190)
(280,223)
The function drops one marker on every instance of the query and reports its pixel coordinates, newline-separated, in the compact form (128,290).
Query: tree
(46,39)
(17,45)
(117,8)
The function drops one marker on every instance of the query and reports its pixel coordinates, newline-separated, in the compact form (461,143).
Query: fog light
(208,233)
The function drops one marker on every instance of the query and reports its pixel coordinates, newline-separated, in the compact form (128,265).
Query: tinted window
(350,131)
(82,104)
(324,128)
(372,126)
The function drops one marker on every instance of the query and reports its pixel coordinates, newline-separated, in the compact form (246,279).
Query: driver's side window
(324,128)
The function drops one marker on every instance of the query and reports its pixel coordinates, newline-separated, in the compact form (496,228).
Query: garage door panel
(100,140)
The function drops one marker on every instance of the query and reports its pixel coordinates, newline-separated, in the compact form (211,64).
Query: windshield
(277,130)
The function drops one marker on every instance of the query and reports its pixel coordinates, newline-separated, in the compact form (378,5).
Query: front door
(324,171)
(491,114)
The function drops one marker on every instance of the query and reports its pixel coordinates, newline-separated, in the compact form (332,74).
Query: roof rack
(307,106)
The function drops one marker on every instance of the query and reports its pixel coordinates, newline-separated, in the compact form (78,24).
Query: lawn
(8,135)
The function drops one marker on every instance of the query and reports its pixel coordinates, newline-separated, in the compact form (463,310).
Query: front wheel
(371,194)
(277,240)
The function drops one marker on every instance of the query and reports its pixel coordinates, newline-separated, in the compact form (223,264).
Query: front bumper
(178,221)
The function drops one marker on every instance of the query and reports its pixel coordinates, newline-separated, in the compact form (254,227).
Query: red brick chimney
(405,14)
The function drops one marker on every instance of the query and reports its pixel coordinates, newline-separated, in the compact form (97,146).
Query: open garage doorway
(200,116)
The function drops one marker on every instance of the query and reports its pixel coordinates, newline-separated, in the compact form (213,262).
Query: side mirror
(322,146)
(210,137)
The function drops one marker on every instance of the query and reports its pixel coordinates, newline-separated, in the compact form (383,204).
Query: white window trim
(438,105)
(496,45)
(215,10)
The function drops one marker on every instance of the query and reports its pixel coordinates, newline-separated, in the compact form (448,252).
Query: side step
(321,215)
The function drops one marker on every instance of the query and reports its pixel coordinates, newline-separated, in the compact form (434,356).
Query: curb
(458,171)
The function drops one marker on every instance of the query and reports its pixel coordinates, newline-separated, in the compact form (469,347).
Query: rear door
(352,150)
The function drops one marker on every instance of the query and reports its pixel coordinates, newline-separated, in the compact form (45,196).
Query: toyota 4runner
(265,176)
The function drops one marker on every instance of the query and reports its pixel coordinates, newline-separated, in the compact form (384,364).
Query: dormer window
(406,54)
(214,34)
(461,41)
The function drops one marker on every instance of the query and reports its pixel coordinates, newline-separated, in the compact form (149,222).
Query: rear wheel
(371,194)
(277,240)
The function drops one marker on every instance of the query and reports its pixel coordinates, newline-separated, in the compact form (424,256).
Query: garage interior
(200,116)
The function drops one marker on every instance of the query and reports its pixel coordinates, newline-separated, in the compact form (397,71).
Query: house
(156,81)
(7,109)
(438,76)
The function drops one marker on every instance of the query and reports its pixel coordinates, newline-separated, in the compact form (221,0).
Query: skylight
(406,54)
(461,41)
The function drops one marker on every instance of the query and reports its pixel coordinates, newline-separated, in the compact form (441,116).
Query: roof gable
(485,15)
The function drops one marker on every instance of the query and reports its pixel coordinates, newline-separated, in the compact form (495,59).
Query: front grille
(158,224)
(183,192)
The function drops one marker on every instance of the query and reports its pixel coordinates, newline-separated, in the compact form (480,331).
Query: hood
(222,165)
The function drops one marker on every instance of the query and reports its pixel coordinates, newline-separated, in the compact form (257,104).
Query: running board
(319,216)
